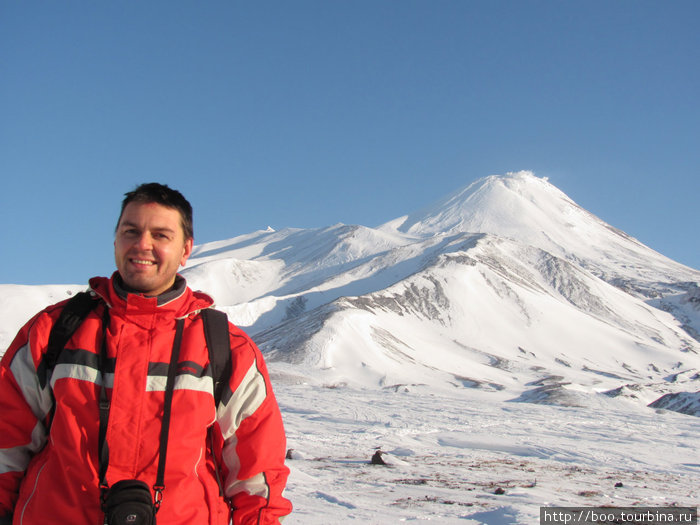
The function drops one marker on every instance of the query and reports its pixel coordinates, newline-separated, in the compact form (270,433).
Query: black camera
(129,502)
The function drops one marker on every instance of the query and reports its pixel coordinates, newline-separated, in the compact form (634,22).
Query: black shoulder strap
(219,345)
(74,312)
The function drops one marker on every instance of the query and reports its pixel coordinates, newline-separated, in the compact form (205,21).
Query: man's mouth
(142,261)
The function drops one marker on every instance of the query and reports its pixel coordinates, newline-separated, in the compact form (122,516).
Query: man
(223,463)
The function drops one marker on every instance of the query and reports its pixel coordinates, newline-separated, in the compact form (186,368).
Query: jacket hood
(179,301)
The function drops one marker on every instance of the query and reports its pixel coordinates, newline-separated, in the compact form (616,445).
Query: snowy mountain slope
(492,314)
(309,268)
(18,303)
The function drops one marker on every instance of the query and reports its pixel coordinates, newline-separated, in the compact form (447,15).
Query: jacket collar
(179,301)
(123,290)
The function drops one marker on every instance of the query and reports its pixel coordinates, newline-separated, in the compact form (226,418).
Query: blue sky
(309,113)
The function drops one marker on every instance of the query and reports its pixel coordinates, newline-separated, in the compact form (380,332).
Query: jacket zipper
(26,503)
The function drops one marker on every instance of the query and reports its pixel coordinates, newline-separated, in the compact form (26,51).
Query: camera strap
(159,487)
(104,405)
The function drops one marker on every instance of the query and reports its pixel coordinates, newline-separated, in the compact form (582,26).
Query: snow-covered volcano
(506,286)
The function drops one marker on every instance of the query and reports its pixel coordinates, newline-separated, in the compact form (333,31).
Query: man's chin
(140,285)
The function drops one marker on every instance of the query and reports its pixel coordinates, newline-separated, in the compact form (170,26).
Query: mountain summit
(530,210)
(506,288)
(515,205)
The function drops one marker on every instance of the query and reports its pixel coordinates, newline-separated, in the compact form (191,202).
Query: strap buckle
(158,496)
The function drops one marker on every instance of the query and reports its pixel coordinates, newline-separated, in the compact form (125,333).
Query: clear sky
(310,113)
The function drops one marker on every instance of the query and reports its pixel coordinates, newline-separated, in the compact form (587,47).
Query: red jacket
(53,478)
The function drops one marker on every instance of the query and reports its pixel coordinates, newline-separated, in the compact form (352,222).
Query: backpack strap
(218,343)
(74,312)
(219,346)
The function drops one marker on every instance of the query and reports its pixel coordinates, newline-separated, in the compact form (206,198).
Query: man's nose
(145,241)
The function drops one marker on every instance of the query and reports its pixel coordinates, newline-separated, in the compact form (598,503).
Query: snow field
(472,458)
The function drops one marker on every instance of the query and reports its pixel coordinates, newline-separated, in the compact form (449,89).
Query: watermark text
(618,515)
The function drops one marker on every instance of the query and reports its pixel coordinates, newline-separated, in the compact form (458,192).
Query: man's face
(150,246)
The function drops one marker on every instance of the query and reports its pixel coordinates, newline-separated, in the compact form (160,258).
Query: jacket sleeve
(254,440)
(24,406)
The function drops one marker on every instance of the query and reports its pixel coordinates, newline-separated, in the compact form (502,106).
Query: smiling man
(88,436)
(151,243)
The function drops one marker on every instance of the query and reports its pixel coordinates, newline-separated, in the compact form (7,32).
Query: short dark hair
(165,196)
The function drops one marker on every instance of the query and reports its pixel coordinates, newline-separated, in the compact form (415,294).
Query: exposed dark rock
(377,458)
(683,402)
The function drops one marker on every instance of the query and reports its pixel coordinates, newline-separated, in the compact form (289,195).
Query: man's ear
(187,251)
